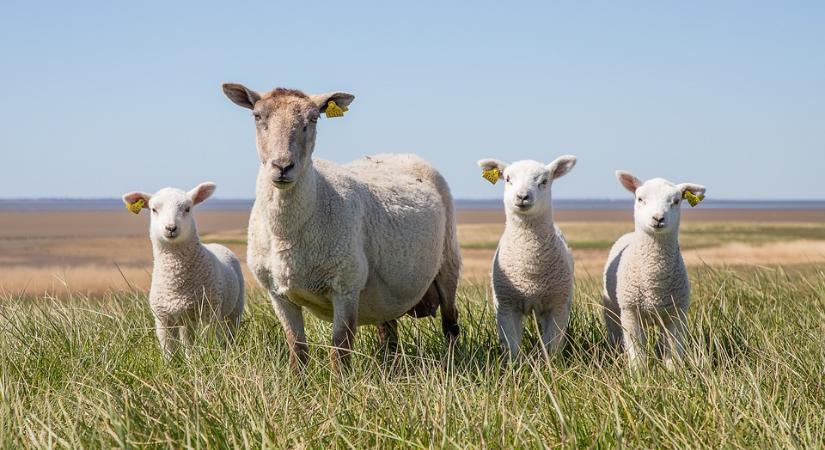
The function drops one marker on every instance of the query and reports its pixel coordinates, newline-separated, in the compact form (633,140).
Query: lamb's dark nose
(171,228)
(523,198)
(659,221)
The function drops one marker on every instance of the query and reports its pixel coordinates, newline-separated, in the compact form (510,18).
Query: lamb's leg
(186,331)
(612,318)
(344,324)
(292,320)
(671,346)
(510,327)
(553,328)
(388,335)
(634,339)
(166,338)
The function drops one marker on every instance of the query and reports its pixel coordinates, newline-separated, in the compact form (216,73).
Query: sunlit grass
(86,372)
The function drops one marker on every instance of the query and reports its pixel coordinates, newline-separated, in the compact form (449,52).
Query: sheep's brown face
(285,124)
(285,135)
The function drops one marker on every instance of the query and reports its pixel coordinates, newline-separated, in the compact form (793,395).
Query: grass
(86,372)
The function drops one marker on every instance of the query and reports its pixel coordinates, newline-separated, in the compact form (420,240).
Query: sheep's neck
(291,209)
(177,260)
(539,226)
(667,243)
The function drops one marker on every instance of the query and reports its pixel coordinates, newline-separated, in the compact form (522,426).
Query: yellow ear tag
(491,175)
(333,110)
(136,206)
(692,198)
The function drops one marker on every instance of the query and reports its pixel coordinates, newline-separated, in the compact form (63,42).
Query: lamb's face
(527,183)
(658,207)
(171,216)
(527,188)
(658,202)
(170,210)
(285,128)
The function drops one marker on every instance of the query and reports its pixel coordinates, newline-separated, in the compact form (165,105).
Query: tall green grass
(86,372)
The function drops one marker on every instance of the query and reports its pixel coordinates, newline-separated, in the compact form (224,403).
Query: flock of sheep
(367,242)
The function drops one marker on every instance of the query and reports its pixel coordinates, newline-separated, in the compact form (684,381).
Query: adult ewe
(192,283)
(355,244)
(645,280)
(532,267)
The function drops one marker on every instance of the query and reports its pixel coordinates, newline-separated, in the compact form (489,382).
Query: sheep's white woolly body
(373,229)
(192,283)
(533,267)
(645,279)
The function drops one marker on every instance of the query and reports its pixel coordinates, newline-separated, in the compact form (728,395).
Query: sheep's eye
(507,178)
(543,183)
(187,209)
(676,201)
(639,199)
(154,211)
(257,116)
(313,119)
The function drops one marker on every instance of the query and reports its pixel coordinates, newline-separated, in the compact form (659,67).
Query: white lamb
(360,243)
(192,283)
(533,266)
(645,280)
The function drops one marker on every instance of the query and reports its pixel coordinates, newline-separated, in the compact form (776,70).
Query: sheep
(355,244)
(645,280)
(533,266)
(191,282)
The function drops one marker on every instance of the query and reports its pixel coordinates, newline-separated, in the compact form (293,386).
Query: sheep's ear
(201,192)
(342,99)
(695,189)
(133,199)
(240,95)
(490,164)
(629,182)
(561,166)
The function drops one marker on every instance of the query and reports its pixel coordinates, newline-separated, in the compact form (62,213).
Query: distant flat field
(95,251)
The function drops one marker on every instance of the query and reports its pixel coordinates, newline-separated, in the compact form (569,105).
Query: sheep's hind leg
(388,336)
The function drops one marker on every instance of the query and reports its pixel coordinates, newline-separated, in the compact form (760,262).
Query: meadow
(82,369)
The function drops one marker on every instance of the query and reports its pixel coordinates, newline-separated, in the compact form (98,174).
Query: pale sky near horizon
(103,98)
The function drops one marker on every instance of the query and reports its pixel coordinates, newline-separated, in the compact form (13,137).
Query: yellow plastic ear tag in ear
(333,110)
(136,206)
(692,198)
(491,175)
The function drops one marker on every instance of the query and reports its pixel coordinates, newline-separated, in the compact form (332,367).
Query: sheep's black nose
(660,220)
(171,228)
(283,168)
(523,197)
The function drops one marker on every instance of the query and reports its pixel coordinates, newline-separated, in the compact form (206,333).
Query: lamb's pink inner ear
(135,196)
(202,192)
(629,182)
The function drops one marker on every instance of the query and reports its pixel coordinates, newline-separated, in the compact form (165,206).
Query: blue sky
(99,98)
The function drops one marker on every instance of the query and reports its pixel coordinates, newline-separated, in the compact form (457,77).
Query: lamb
(645,280)
(532,267)
(355,244)
(192,283)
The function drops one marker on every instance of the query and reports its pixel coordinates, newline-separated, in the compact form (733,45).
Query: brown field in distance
(95,251)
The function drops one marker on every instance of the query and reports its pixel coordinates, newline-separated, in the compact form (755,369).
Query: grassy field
(86,372)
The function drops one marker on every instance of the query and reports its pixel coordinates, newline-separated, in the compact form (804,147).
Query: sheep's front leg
(671,340)
(634,339)
(553,328)
(344,324)
(510,329)
(291,317)
(166,338)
